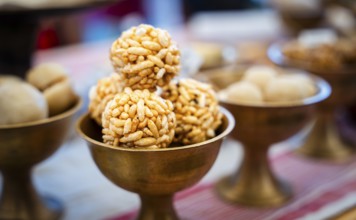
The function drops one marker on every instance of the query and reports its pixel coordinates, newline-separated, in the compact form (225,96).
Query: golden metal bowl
(154,174)
(258,127)
(324,140)
(21,147)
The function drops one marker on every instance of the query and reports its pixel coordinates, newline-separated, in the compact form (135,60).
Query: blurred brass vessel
(154,174)
(324,140)
(258,127)
(22,146)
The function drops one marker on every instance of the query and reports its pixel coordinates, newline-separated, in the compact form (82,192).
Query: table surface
(71,175)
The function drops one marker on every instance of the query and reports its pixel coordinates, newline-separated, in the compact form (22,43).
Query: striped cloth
(321,190)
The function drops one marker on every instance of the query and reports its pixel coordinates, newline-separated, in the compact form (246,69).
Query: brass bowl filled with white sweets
(269,106)
(35,116)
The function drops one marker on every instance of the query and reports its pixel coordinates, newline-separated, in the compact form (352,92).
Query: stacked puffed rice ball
(138,119)
(146,57)
(102,93)
(196,108)
(264,84)
(128,107)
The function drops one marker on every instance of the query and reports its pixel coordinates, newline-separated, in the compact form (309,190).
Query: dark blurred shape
(17,39)
(193,6)
(18,30)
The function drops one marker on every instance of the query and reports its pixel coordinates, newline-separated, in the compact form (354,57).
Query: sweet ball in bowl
(265,84)
(46,92)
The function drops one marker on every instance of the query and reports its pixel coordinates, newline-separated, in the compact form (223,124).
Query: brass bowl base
(22,146)
(268,196)
(325,143)
(157,207)
(45,207)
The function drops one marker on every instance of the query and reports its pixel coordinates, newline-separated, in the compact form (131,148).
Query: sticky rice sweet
(196,108)
(103,92)
(138,119)
(146,57)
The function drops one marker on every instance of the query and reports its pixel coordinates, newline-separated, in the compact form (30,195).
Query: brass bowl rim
(274,53)
(229,128)
(324,90)
(62,115)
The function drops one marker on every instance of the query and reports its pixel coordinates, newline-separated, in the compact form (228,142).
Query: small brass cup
(258,127)
(324,141)
(22,146)
(154,174)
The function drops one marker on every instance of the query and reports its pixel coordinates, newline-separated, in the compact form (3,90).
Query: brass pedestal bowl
(324,141)
(258,127)
(154,174)
(22,146)
(296,23)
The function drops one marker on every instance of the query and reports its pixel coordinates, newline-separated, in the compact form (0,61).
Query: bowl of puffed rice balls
(149,131)
(269,105)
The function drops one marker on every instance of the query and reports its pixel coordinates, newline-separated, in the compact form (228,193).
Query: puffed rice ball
(260,75)
(146,57)
(285,89)
(102,93)
(196,108)
(138,119)
(242,92)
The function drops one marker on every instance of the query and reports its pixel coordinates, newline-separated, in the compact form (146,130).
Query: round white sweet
(260,75)
(284,89)
(242,92)
(21,102)
(309,88)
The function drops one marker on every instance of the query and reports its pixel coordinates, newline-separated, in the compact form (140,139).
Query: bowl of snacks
(269,105)
(147,133)
(333,59)
(33,124)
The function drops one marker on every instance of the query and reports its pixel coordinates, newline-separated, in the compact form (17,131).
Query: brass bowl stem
(324,141)
(22,146)
(157,207)
(254,183)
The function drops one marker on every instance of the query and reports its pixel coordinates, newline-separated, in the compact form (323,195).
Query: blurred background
(109,21)
(266,16)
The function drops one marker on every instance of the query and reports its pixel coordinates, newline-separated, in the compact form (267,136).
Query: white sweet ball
(260,75)
(21,102)
(309,87)
(9,78)
(242,92)
(284,89)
